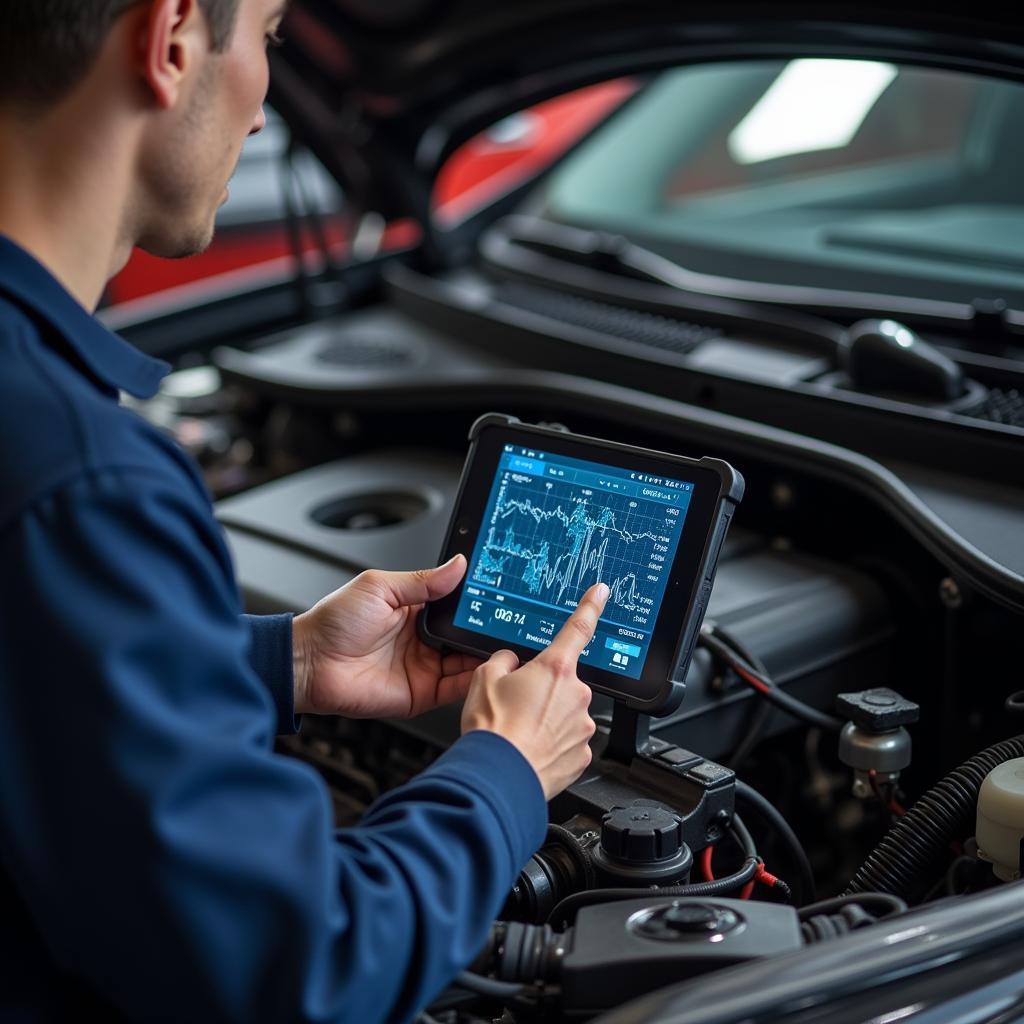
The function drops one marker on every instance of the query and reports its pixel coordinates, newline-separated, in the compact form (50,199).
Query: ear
(173,36)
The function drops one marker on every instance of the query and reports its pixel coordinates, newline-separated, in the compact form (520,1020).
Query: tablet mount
(628,735)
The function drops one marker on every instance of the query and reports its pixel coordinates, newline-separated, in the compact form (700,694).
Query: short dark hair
(48,46)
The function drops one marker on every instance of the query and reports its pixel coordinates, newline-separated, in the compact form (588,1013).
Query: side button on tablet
(716,547)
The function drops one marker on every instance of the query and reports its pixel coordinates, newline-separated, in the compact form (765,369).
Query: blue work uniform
(158,861)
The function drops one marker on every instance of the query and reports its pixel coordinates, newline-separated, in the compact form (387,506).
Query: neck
(63,192)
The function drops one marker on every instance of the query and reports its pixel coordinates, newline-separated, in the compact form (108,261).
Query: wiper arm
(615,254)
(612,254)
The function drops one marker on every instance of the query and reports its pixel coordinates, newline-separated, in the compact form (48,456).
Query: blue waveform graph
(550,541)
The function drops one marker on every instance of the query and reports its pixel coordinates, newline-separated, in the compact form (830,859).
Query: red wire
(893,806)
(758,684)
(762,875)
(705,863)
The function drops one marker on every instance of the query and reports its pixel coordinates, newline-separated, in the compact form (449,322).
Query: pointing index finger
(578,631)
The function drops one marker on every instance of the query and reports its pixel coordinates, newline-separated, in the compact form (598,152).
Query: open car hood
(384,90)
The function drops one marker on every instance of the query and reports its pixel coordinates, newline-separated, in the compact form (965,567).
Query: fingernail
(603,592)
(451,561)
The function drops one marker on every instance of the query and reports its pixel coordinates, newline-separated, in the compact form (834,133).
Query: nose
(259,123)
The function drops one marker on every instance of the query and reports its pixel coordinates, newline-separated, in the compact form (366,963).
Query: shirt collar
(108,358)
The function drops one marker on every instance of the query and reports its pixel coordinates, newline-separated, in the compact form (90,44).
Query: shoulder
(56,426)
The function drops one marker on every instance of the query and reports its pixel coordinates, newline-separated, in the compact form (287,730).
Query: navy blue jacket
(156,856)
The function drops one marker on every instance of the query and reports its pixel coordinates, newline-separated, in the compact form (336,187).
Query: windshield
(837,174)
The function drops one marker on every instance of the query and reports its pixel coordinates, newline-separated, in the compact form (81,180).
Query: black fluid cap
(991,321)
(699,918)
(642,833)
(886,357)
(688,921)
(878,710)
(692,917)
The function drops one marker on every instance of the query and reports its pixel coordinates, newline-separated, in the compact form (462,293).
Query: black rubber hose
(487,986)
(841,915)
(905,862)
(564,914)
(890,904)
(565,911)
(577,852)
(771,814)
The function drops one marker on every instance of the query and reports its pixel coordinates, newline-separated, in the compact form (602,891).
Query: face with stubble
(189,158)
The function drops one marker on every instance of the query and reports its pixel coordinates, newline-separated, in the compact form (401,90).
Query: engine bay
(858,645)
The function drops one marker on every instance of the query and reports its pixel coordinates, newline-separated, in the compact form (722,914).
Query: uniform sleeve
(270,654)
(167,856)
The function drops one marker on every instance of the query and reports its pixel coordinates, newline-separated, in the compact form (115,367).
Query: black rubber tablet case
(670,694)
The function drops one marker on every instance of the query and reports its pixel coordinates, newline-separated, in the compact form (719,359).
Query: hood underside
(383,91)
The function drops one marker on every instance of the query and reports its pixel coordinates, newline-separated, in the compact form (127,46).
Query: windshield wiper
(805,309)
(557,254)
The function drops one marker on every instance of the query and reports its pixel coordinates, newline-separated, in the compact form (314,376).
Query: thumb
(424,585)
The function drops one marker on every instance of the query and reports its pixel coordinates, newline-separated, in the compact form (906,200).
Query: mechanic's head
(177,84)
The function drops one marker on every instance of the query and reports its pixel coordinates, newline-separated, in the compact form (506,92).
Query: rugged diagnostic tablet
(543,514)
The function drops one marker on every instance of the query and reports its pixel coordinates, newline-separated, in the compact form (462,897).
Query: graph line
(555,553)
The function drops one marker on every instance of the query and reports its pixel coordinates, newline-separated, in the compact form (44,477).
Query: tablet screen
(553,526)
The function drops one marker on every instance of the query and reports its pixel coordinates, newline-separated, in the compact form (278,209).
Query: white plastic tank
(1000,828)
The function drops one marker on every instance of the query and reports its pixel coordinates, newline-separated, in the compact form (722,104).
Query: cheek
(249,81)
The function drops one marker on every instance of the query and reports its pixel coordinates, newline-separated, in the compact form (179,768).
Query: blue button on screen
(521,465)
(622,648)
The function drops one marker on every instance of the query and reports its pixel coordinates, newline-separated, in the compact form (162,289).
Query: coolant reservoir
(1000,831)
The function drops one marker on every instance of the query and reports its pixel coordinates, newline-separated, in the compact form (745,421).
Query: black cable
(487,986)
(742,835)
(567,908)
(312,214)
(762,685)
(830,919)
(564,913)
(823,927)
(293,224)
(771,814)
(761,710)
(893,904)
(911,851)
(715,629)
(954,869)
(760,714)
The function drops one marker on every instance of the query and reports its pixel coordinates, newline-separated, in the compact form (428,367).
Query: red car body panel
(481,171)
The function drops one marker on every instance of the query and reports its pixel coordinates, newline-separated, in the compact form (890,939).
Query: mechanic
(158,861)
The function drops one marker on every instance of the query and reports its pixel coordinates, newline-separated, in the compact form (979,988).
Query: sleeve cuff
(491,766)
(270,654)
